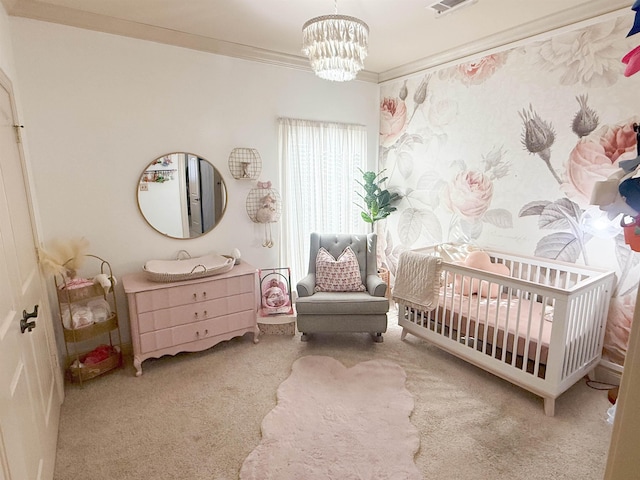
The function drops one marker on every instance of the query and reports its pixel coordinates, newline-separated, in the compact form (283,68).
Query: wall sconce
(245,163)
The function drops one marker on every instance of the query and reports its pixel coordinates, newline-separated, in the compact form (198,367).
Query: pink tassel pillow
(338,275)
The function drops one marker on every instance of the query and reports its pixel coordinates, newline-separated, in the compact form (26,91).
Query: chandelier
(336,45)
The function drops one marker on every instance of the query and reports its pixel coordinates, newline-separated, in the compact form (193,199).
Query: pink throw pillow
(338,275)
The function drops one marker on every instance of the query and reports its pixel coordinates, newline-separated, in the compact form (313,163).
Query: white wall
(6,49)
(98,108)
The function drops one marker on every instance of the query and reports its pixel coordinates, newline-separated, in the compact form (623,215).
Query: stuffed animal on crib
(481,261)
(267,212)
(274,296)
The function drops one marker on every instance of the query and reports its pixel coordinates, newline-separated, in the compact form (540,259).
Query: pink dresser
(190,315)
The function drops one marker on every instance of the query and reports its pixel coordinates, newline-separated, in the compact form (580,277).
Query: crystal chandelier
(336,45)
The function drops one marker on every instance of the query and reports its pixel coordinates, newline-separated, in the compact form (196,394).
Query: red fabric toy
(98,354)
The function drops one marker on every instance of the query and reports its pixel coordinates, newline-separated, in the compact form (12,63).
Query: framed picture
(275,291)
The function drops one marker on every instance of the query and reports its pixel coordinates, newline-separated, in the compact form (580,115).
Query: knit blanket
(418,280)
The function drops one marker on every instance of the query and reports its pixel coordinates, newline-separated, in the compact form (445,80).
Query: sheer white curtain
(319,165)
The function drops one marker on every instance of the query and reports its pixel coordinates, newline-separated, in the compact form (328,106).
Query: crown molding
(592,10)
(589,12)
(75,18)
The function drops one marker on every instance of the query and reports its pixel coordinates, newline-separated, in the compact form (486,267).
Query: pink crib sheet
(521,317)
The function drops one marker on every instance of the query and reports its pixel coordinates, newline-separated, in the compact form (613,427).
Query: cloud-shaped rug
(338,423)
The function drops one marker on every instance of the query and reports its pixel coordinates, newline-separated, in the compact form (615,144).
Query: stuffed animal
(480,260)
(275,295)
(267,212)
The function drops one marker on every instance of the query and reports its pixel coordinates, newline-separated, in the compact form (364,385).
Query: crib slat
(474,342)
(593,330)
(579,328)
(505,338)
(536,362)
(576,311)
(584,320)
(593,325)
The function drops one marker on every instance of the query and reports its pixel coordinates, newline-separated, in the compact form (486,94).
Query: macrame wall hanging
(264,206)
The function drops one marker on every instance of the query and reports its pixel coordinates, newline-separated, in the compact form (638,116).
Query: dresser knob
(205,314)
(196,314)
(198,334)
(204,294)
(206,332)
(195,297)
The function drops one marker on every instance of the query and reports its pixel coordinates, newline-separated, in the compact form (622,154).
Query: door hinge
(18,134)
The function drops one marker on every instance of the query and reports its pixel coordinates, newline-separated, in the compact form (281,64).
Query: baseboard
(606,372)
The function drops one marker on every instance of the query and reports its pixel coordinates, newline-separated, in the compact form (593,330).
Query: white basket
(187,268)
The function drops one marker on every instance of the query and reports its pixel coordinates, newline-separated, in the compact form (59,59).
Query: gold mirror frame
(181,195)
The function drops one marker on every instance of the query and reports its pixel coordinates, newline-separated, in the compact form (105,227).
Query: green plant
(377,201)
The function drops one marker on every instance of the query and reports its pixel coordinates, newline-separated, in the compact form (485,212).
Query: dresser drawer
(192,293)
(192,332)
(196,312)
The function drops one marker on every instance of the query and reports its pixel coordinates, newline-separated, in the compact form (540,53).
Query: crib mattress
(527,321)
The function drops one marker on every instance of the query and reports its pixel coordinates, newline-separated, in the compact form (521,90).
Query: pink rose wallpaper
(503,151)
(596,156)
(616,336)
(477,71)
(469,194)
(393,120)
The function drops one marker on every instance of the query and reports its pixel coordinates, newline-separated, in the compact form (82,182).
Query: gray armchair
(343,311)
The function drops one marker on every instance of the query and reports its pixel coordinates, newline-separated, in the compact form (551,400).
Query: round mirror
(182,195)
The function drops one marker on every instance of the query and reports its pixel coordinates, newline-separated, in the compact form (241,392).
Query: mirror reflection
(182,195)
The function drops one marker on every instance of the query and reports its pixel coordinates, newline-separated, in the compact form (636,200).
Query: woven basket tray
(187,268)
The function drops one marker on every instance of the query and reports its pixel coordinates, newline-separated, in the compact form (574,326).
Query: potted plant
(377,205)
(377,201)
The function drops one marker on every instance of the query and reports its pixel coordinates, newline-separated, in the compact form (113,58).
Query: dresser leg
(138,364)
(256,333)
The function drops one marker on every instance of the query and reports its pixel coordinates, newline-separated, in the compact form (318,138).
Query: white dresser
(190,315)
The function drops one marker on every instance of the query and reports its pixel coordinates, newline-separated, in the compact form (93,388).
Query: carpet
(338,423)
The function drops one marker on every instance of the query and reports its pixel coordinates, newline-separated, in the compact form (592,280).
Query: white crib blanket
(418,280)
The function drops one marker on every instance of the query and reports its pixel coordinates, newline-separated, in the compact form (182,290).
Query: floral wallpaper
(504,151)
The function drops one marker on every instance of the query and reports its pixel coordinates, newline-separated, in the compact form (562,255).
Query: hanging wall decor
(245,163)
(264,206)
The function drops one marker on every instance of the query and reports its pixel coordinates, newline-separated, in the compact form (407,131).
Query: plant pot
(383,273)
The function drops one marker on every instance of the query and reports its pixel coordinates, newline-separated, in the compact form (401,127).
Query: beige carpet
(333,422)
(197,416)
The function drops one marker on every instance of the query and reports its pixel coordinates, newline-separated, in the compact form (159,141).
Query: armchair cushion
(338,275)
(341,304)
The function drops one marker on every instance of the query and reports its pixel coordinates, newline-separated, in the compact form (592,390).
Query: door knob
(24,323)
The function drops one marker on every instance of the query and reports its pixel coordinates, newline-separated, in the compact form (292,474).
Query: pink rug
(334,423)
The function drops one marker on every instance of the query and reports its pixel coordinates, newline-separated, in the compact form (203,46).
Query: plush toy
(105,281)
(481,261)
(267,212)
(274,295)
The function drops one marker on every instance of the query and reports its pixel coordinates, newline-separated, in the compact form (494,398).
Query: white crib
(542,330)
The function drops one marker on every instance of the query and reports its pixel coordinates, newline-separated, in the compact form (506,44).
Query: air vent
(448,6)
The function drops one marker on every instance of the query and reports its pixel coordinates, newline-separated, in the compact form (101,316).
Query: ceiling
(405,35)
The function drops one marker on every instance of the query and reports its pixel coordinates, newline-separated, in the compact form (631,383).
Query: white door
(30,380)
(195,207)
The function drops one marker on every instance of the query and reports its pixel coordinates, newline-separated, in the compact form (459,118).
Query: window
(319,168)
